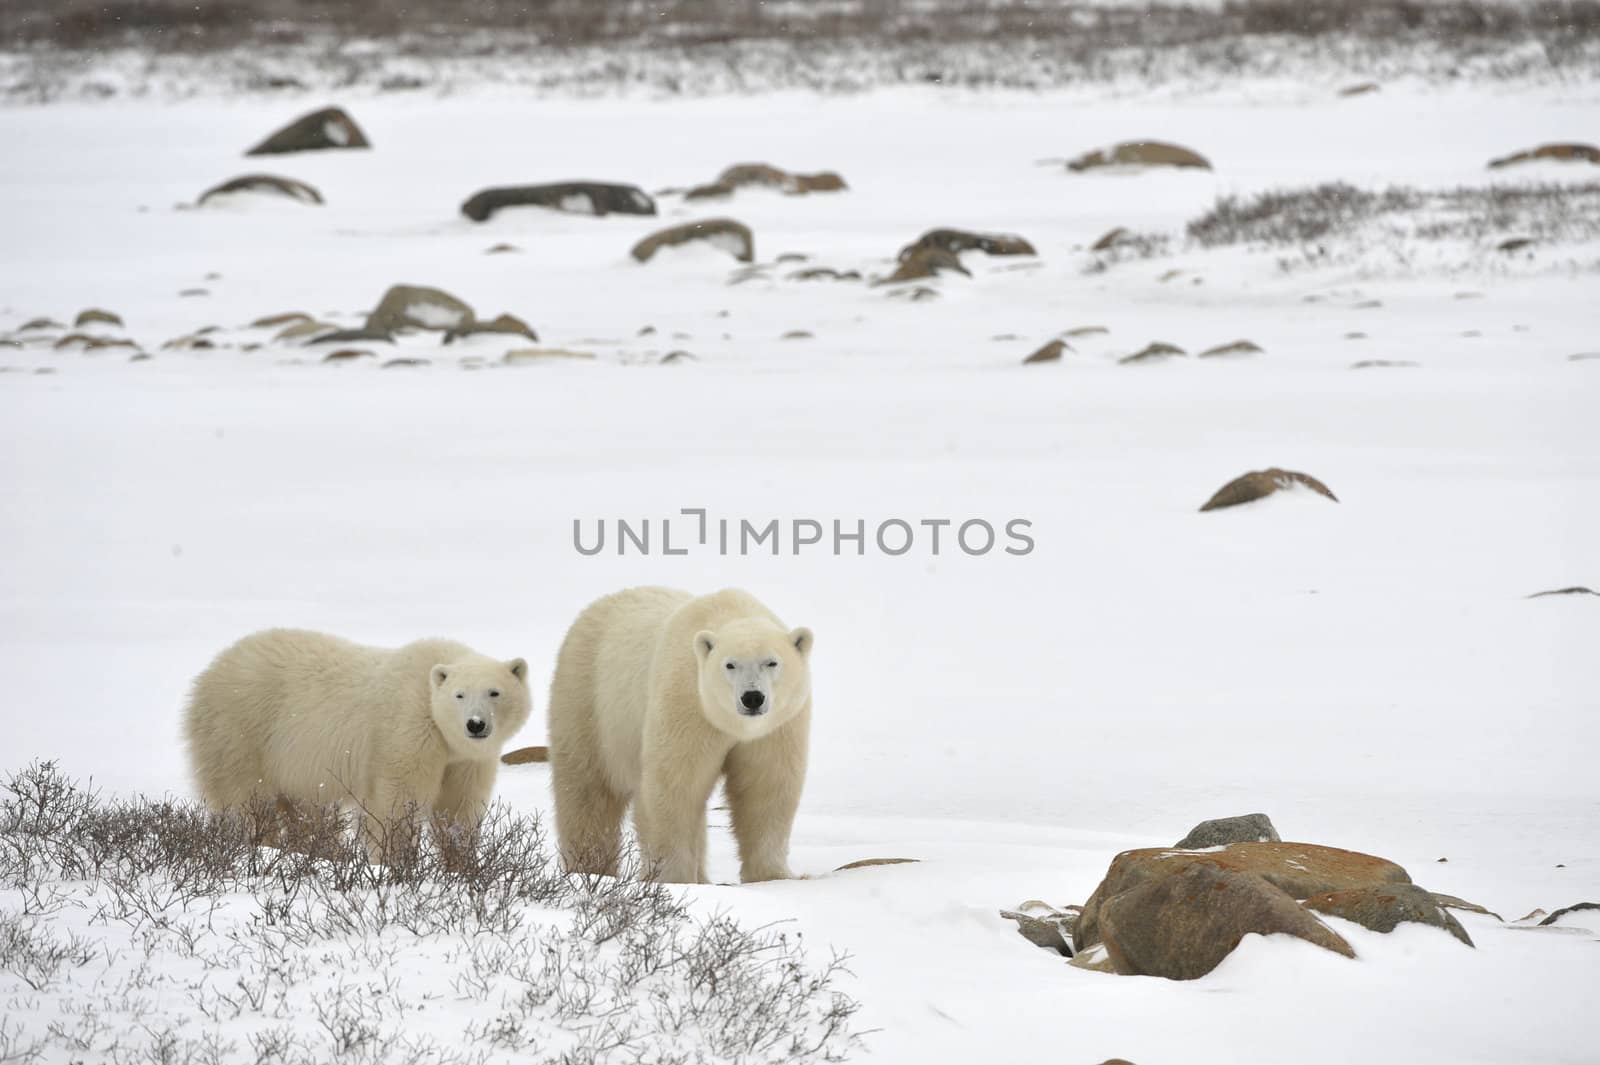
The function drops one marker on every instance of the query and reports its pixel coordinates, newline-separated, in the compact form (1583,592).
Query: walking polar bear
(288,716)
(656,695)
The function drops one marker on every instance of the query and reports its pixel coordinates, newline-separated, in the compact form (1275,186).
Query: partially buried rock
(1050,929)
(529,356)
(96,316)
(1564,914)
(353,336)
(957,241)
(1261,483)
(504,324)
(1141,153)
(1181,925)
(865,863)
(1051,352)
(39,323)
(268,183)
(347,355)
(1450,902)
(732,237)
(403,363)
(573,197)
(1154,351)
(1237,347)
(324,129)
(418,307)
(1221,831)
(1383,909)
(766,175)
(526,755)
(1382,364)
(926,262)
(1576,589)
(1566,153)
(1112,239)
(274,320)
(1363,89)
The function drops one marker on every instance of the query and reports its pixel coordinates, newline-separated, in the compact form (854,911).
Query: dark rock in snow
(1575,153)
(418,307)
(1141,153)
(270,183)
(1385,908)
(1246,828)
(1261,483)
(324,129)
(733,237)
(574,197)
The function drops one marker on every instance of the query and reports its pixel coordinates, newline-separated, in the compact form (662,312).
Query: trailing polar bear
(658,694)
(288,716)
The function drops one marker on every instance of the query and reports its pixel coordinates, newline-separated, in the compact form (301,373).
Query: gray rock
(1247,828)
(1555,918)
(1385,908)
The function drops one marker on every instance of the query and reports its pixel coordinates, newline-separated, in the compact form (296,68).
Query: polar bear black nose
(752,699)
(477,726)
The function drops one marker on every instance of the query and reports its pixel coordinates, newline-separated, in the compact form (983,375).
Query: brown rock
(1450,902)
(824,273)
(1375,364)
(865,863)
(528,356)
(1183,924)
(925,263)
(327,128)
(418,307)
(508,324)
(1086,331)
(1261,483)
(733,237)
(1044,931)
(303,328)
(798,334)
(348,355)
(1238,347)
(288,318)
(501,249)
(281,186)
(89,342)
(769,176)
(956,241)
(1154,351)
(95,315)
(1051,352)
(574,197)
(402,363)
(353,336)
(1299,869)
(1111,239)
(1577,907)
(1585,153)
(526,755)
(1515,244)
(39,323)
(1141,153)
(1362,89)
(1383,909)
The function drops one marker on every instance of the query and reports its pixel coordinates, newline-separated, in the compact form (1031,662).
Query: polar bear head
(754,675)
(478,703)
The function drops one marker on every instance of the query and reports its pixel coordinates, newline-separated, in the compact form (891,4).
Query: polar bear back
(306,715)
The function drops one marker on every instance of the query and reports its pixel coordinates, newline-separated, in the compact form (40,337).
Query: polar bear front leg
(389,820)
(671,818)
(764,781)
(463,799)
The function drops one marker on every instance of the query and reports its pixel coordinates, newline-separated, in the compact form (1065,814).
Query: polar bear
(656,695)
(293,717)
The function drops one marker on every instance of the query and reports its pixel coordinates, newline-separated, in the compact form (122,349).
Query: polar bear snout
(753,702)
(478,728)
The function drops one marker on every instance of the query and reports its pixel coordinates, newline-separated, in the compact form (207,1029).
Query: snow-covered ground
(1369,672)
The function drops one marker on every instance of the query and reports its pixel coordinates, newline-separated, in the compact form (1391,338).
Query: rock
(925,263)
(1086,331)
(574,197)
(1261,483)
(1112,238)
(798,334)
(1584,153)
(96,316)
(1095,959)
(308,327)
(1048,931)
(1576,589)
(348,355)
(1450,902)
(353,336)
(764,174)
(1051,352)
(824,273)
(1515,244)
(865,863)
(1238,347)
(1383,909)
(327,128)
(271,183)
(1298,869)
(506,324)
(1141,153)
(1154,351)
(678,356)
(288,318)
(1583,356)
(526,755)
(732,237)
(418,307)
(501,249)
(1359,90)
(915,294)
(89,342)
(190,293)
(527,356)
(1181,925)
(956,241)
(402,363)
(1375,364)
(1579,907)
(1246,828)
(39,323)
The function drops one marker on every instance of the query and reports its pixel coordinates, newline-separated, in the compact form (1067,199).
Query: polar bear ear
(518,668)
(439,675)
(703,642)
(801,638)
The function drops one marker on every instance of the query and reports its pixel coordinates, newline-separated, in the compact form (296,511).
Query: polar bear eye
(461,695)
(772,665)
(727,665)
(493,693)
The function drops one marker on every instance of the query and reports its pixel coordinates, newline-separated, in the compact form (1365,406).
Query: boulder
(1383,909)
(39,323)
(1246,828)
(1557,917)
(1259,484)
(96,316)
(418,307)
(526,755)
(1450,902)
(268,183)
(505,324)
(1112,238)
(327,128)
(574,197)
(1237,347)
(1141,153)
(1050,929)
(1154,351)
(274,320)
(732,237)
(767,176)
(956,241)
(299,328)
(1572,153)
(347,355)
(1181,925)
(924,263)
(1051,352)
(1300,870)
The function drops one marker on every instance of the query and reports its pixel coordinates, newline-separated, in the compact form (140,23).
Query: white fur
(289,716)
(644,708)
